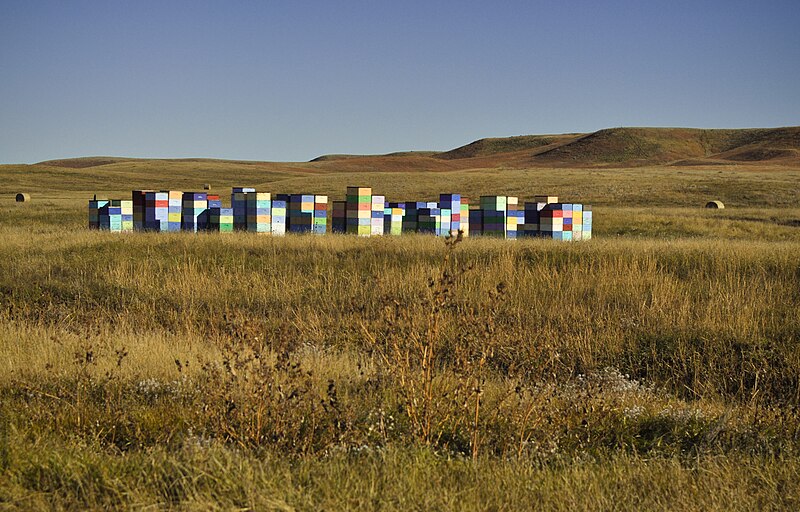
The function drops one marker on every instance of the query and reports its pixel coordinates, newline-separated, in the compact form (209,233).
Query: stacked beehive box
(394,213)
(475,216)
(111,216)
(95,208)
(577,221)
(387,218)
(195,207)
(463,217)
(551,221)
(339,217)
(239,206)
(566,210)
(126,209)
(530,219)
(494,215)
(138,198)
(220,219)
(450,208)
(213,201)
(378,206)
(512,216)
(174,210)
(156,211)
(301,213)
(359,210)
(258,212)
(587,222)
(429,219)
(214,205)
(278,218)
(411,216)
(320,215)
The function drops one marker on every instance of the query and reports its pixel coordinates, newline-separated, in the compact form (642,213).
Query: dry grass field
(654,367)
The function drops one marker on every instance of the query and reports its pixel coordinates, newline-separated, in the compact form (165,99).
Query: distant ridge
(326,158)
(619,147)
(84,162)
(642,146)
(493,146)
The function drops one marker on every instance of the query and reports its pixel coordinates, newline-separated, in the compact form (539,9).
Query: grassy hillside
(493,146)
(622,147)
(655,367)
(641,146)
(742,186)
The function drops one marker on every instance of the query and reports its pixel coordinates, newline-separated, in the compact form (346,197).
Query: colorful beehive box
(543,200)
(359,210)
(512,217)
(393,218)
(174,210)
(464,217)
(300,213)
(411,216)
(475,216)
(258,212)
(214,201)
(138,198)
(377,207)
(156,211)
(279,211)
(450,206)
(95,208)
(320,215)
(551,221)
(339,217)
(111,216)
(194,216)
(494,215)
(239,205)
(126,210)
(220,219)
(577,221)
(428,219)
(530,220)
(587,222)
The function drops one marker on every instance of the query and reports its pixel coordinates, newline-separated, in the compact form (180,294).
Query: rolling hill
(612,147)
(618,147)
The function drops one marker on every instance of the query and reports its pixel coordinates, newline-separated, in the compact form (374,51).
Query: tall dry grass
(656,365)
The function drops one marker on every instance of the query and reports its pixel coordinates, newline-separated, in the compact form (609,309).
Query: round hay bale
(23,197)
(716,205)
(207,186)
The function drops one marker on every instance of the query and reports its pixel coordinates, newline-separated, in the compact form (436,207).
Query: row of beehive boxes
(361,213)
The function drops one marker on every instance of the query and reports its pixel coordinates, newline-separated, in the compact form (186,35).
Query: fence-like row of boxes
(361,213)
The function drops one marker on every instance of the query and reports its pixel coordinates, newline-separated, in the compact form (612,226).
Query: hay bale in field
(716,205)
(207,186)
(23,197)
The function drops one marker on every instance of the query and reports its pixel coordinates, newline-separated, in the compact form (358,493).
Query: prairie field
(655,367)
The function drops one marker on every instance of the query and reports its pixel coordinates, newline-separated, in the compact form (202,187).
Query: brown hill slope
(644,146)
(494,146)
(619,147)
(84,162)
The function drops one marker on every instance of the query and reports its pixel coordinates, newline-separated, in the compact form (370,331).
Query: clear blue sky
(291,80)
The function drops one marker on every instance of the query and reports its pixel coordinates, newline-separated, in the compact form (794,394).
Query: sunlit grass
(655,366)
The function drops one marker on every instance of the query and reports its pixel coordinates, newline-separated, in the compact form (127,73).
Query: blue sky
(291,80)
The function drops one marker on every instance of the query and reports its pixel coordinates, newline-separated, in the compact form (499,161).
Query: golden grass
(653,367)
